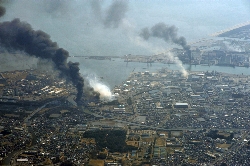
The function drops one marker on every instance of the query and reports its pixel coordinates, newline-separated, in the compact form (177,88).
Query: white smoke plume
(98,86)
(178,62)
(130,31)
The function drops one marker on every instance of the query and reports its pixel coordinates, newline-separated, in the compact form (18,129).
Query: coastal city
(167,117)
(154,118)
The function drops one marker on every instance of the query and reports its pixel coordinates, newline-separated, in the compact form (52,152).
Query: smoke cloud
(168,34)
(98,86)
(56,8)
(2,9)
(112,17)
(115,14)
(178,63)
(20,36)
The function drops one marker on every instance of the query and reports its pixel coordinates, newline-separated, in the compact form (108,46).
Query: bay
(115,71)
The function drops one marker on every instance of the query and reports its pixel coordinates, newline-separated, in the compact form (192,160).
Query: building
(181,105)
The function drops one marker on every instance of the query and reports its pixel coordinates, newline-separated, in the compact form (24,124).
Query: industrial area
(156,118)
(52,114)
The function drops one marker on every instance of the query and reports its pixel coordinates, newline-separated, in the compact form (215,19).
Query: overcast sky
(100,27)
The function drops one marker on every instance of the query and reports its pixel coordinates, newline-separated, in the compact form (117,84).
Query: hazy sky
(100,27)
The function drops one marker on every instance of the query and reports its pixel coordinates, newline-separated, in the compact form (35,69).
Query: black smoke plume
(2,9)
(167,33)
(20,36)
(113,15)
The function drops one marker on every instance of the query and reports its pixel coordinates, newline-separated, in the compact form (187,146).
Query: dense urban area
(155,118)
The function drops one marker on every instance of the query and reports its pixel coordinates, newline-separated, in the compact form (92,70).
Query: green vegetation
(114,140)
(214,134)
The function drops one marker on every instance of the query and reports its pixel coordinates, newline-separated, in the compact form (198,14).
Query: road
(159,128)
(233,148)
(7,160)
(26,120)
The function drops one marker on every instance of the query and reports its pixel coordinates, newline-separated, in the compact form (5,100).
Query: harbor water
(113,72)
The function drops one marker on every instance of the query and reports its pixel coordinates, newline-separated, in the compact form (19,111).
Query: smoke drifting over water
(168,34)
(115,14)
(178,63)
(112,17)
(81,27)
(20,36)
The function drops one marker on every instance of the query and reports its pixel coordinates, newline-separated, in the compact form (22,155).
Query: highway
(160,128)
(26,120)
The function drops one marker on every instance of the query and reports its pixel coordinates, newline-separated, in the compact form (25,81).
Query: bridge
(229,29)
